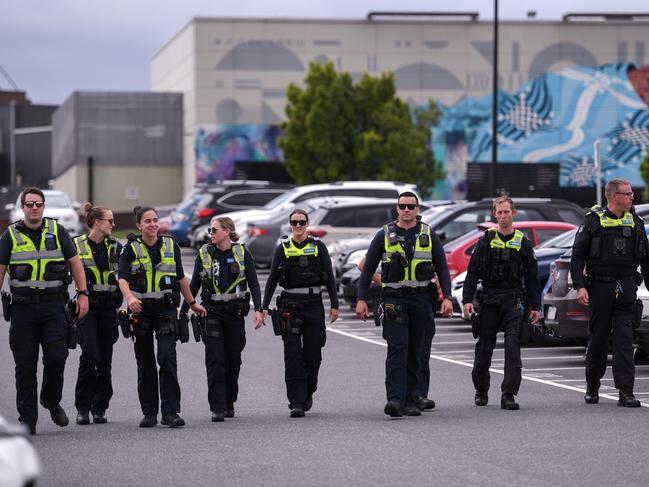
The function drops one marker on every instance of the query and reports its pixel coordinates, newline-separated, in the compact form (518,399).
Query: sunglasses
(37,204)
(295,223)
(212,230)
(410,206)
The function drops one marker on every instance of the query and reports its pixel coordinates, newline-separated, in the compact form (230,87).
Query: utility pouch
(139,325)
(595,247)
(124,323)
(6,305)
(275,320)
(293,323)
(20,272)
(639,308)
(183,328)
(396,314)
(72,321)
(475,325)
(197,327)
(424,271)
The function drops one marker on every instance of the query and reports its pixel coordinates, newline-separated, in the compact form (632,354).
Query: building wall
(243,66)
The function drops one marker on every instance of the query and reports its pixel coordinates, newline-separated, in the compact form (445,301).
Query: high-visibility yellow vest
(101,279)
(211,269)
(165,270)
(422,254)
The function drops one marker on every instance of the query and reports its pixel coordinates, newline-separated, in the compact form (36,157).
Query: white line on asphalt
(464,364)
(568,357)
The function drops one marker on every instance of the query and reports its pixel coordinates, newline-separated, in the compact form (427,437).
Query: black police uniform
(98,333)
(159,315)
(611,257)
(409,337)
(302,348)
(225,325)
(510,289)
(38,318)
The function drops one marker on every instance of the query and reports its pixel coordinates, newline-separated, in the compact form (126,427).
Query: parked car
(206,201)
(453,221)
(564,316)
(458,252)
(58,206)
(19,462)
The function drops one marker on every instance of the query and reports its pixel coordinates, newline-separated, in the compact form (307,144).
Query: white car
(19,462)
(57,206)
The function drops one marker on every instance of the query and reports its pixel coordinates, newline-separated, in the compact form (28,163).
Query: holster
(6,305)
(183,328)
(639,308)
(285,322)
(123,319)
(72,319)
(139,325)
(197,327)
(396,313)
(379,313)
(475,325)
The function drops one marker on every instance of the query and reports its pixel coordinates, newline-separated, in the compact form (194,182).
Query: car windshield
(279,200)
(193,200)
(57,200)
(563,241)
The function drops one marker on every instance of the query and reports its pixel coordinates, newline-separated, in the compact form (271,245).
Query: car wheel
(640,357)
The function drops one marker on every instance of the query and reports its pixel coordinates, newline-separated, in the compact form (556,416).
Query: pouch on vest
(21,272)
(619,246)
(424,271)
(57,271)
(50,242)
(395,271)
(595,247)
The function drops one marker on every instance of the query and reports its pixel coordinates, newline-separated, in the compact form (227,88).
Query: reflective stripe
(43,254)
(104,288)
(514,243)
(303,290)
(166,267)
(30,283)
(153,295)
(607,222)
(227,297)
(421,255)
(136,267)
(396,285)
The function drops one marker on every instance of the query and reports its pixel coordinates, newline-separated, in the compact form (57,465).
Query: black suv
(453,220)
(233,197)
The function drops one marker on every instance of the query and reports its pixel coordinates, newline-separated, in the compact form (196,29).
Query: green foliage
(341,130)
(644,172)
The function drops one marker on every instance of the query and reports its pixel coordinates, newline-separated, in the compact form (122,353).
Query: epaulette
(132,237)
(285,240)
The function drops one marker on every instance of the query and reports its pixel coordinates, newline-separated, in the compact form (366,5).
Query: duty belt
(303,290)
(37,298)
(610,278)
(227,296)
(406,284)
(153,295)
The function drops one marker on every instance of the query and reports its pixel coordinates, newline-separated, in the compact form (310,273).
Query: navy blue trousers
(97,335)
(35,325)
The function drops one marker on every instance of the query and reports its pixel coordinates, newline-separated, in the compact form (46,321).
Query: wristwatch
(192,303)
(83,293)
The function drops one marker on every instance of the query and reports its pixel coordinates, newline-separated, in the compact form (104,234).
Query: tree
(644,172)
(341,130)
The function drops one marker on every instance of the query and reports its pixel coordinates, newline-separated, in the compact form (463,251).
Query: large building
(564,85)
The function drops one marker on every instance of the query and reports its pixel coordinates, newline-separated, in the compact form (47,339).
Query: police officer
(39,254)
(302,266)
(610,244)
(225,270)
(99,254)
(503,260)
(410,254)
(151,278)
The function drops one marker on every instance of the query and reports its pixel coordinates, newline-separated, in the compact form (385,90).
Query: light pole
(494,106)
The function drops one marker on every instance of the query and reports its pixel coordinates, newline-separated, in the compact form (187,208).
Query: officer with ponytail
(99,253)
(302,266)
(151,278)
(225,273)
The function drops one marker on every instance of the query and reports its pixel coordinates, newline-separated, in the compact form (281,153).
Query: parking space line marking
(465,364)
(569,357)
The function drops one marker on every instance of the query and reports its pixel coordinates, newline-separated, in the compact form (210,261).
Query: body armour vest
(42,270)
(211,288)
(501,261)
(99,281)
(147,281)
(302,266)
(616,245)
(396,271)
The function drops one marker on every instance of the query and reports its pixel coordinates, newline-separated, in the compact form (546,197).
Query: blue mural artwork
(556,117)
(217,150)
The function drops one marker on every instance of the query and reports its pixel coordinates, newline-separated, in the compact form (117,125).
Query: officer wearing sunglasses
(410,255)
(39,255)
(225,270)
(302,266)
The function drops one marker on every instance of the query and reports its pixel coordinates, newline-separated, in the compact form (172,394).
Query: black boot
(297,411)
(424,403)
(411,410)
(99,417)
(149,421)
(393,409)
(592,395)
(481,398)
(308,404)
(172,420)
(218,416)
(83,418)
(628,400)
(57,414)
(508,402)
(229,411)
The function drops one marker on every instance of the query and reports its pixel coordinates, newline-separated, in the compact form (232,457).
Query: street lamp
(494,106)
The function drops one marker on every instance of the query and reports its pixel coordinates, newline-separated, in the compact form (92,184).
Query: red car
(458,252)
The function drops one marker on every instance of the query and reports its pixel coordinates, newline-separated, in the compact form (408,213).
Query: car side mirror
(441,235)
(9,206)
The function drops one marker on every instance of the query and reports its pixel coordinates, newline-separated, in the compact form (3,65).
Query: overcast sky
(52,48)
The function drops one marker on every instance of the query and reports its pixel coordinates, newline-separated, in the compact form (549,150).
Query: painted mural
(555,117)
(217,150)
